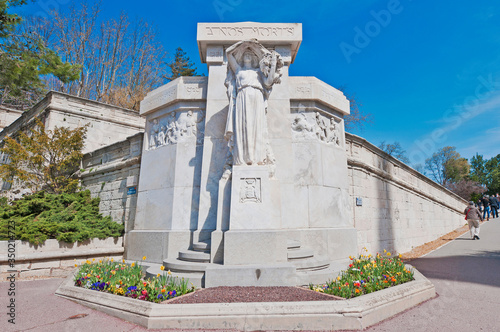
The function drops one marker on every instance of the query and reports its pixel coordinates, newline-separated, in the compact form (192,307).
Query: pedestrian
(486,207)
(479,205)
(472,215)
(494,206)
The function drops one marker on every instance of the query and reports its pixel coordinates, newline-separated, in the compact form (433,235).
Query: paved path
(466,275)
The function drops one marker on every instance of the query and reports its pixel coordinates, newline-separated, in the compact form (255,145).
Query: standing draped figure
(251,72)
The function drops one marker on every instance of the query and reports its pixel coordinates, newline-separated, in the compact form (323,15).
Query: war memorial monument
(247,179)
(243,175)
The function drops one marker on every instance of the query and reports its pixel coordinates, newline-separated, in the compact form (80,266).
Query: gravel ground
(252,294)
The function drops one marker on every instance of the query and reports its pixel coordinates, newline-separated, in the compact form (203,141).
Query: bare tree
(395,150)
(357,118)
(121,61)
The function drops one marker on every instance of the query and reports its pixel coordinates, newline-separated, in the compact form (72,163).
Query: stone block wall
(112,173)
(108,124)
(7,116)
(395,207)
(54,258)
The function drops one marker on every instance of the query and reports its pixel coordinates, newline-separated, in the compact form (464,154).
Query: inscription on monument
(249,32)
(303,90)
(160,98)
(192,89)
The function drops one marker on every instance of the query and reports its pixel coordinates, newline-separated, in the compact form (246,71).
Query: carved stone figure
(153,134)
(302,126)
(187,125)
(252,71)
(161,136)
(171,129)
(320,127)
(331,133)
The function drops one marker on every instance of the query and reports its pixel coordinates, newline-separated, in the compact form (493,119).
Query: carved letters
(250,32)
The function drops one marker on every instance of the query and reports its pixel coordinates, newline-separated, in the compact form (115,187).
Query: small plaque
(132,191)
(359,201)
(250,190)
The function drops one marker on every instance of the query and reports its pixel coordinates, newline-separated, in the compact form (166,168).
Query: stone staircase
(191,264)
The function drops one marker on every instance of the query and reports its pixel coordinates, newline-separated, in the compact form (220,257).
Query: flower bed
(367,274)
(128,280)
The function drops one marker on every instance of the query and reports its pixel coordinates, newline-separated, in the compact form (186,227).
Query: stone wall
(112,173)
(7,116)
(400,208)
(54,258)
(108,124)
(395,207)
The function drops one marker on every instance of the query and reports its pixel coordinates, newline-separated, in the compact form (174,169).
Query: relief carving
(320,127)
(176,127)
(250,190)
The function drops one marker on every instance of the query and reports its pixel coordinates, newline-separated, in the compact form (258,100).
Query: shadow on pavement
(481,268)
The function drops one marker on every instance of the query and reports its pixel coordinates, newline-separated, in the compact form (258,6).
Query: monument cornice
(268,34)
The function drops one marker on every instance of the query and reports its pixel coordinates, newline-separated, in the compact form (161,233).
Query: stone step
(176,265)
(322,276)
(195,278)
(300,253)
(201,246)
(311,264)
(194,256)
(292,244)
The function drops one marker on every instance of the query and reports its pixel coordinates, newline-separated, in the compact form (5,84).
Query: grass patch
(128,280)
(367,274)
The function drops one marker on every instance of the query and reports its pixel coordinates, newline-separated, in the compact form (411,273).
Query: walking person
(494,206)
(486,207)
(472,215)
(479,205)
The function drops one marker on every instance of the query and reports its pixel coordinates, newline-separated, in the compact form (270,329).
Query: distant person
(486,206)
(472,215)
(479,205)
(494,206)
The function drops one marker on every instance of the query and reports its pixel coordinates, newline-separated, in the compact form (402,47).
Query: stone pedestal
(255,199)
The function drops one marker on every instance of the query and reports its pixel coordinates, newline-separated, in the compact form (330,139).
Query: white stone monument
(244,173)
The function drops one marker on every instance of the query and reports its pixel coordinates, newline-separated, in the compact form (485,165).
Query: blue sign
(132,190)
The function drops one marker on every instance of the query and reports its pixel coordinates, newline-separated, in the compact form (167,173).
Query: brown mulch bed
(240,294)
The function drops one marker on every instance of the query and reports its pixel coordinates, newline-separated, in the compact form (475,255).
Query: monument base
(156,245)
(255,199)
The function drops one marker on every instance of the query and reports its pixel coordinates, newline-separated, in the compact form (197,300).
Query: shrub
(65,217)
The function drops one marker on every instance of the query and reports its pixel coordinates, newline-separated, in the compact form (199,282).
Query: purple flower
(132,288)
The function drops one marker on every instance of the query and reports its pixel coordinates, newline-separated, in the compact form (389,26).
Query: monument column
(213,40)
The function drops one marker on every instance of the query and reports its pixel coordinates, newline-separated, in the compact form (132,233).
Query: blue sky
(427,71)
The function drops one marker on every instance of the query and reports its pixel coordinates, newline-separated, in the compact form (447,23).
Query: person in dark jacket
(486,207)
(494,206)
(473,216)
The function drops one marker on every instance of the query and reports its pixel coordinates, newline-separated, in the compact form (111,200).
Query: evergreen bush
(67,217)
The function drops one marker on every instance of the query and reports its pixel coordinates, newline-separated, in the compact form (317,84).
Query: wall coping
(53,249)
(352,161)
